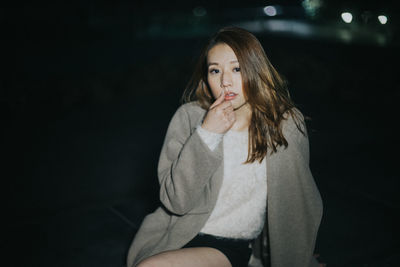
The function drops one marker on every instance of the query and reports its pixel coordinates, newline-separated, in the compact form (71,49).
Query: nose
(226,80)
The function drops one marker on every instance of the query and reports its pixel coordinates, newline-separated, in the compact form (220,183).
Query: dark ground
(85,117)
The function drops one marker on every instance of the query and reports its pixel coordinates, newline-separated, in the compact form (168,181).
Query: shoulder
(293,122)
(188,116)
(192,109)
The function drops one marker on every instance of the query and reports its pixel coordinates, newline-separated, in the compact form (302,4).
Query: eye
(237,69)
(214,71)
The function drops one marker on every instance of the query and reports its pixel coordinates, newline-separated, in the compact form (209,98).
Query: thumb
(219,100)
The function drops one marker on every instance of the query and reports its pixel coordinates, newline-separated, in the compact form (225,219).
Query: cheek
(239,83)
(214,87)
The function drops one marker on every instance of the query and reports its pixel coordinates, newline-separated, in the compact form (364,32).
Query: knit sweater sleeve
(186,164)
(211,139)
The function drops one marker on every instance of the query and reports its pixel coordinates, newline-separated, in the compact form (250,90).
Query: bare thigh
(194,257)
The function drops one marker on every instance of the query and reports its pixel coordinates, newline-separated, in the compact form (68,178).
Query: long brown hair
(263,88)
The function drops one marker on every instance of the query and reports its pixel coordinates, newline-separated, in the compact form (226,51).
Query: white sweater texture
(241,205)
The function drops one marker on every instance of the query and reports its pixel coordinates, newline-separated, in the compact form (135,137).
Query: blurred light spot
(312,6)
(199,11)
(347,17)
(345,35)
(382,19)
(270,11)
(291,27)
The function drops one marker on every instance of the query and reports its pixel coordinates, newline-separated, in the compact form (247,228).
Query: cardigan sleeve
(294,204)
(186,164)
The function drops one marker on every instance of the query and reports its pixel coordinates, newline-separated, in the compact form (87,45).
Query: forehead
(221,53)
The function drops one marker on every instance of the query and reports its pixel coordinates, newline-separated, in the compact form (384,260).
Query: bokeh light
(347,17)
(382,19)
(270,11)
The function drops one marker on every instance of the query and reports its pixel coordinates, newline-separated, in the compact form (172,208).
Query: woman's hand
(220,116)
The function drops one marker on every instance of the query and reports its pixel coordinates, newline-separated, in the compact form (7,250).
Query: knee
(153,262)
(147,263)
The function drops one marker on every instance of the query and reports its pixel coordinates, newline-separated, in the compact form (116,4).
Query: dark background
(88,89)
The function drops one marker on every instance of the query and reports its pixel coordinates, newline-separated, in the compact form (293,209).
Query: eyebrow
(214,63)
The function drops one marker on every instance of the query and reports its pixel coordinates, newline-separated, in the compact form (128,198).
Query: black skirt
(237,251)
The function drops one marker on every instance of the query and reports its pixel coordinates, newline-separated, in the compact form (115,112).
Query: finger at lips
(218,101)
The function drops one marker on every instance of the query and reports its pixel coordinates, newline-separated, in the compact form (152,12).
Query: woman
(234,169)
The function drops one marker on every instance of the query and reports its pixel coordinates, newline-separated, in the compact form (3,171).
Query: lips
(230,96)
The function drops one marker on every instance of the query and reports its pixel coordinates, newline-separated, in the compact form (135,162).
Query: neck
(239,107)
(243,116)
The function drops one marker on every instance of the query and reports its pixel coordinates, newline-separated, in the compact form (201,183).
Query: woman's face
(224,75)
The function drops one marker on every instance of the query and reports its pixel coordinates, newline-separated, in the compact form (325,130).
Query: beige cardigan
(190,176)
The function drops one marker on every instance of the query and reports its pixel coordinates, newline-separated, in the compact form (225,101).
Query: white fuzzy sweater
(241,204)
